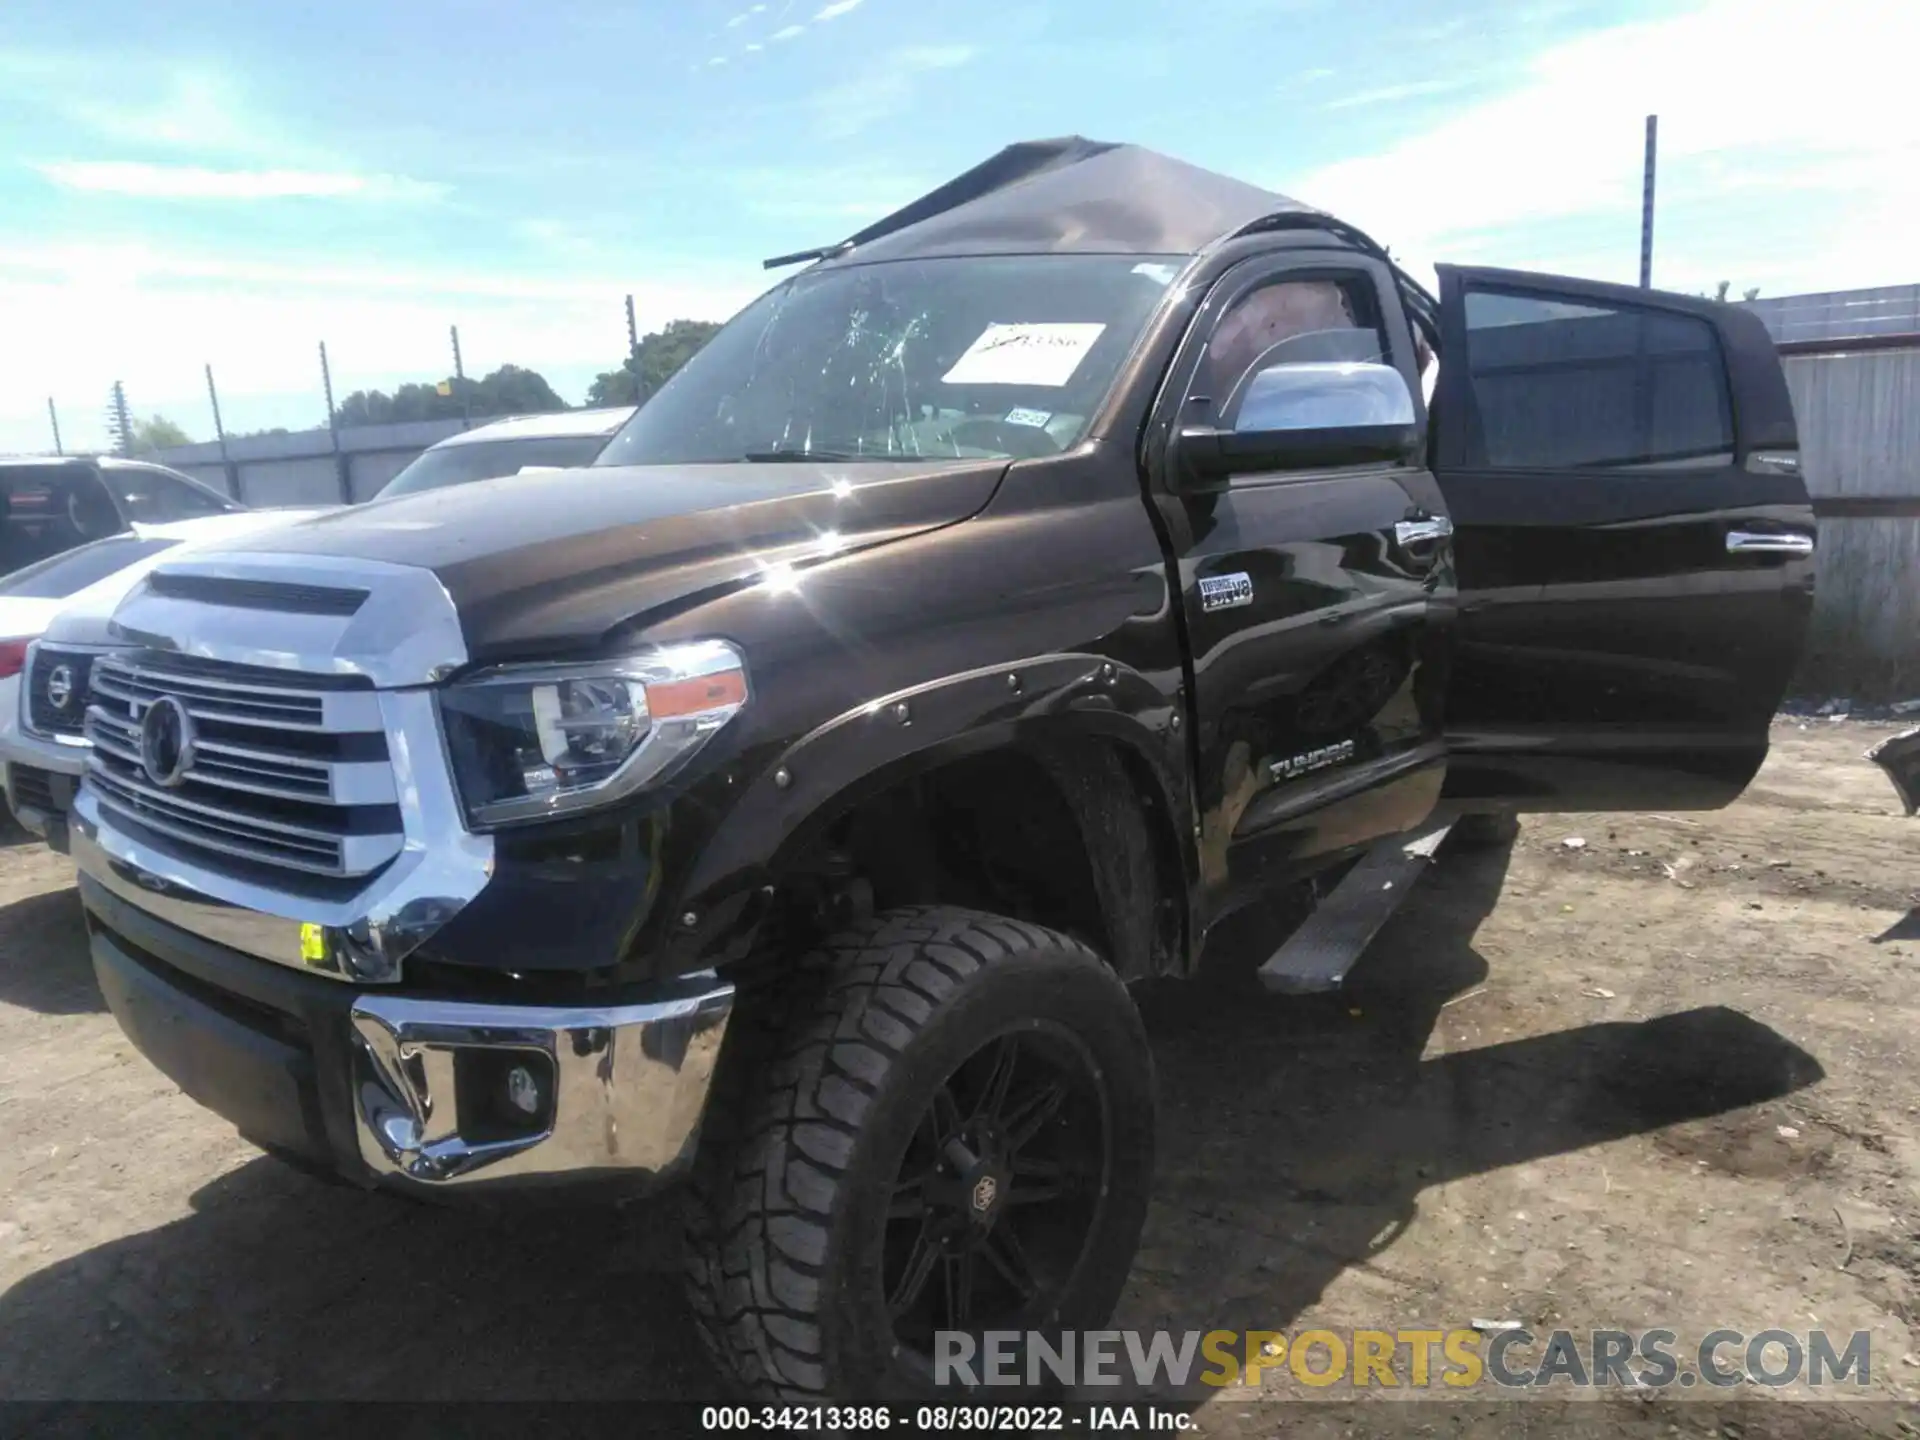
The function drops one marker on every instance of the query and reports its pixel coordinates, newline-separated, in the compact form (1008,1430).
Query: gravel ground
(1661,1078)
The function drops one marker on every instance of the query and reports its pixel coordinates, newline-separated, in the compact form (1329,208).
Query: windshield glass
(488,459)
(151,496)
(1004,357)
(62,575)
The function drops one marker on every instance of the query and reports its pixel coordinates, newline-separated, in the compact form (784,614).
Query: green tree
(659,358)
(156,432)
(509,390)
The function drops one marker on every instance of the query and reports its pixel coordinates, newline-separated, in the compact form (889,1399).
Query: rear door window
(1565,386)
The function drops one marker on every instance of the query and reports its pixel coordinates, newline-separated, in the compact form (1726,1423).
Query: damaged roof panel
(1069,195)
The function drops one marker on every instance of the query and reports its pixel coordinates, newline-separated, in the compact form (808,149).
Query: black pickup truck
(783,805)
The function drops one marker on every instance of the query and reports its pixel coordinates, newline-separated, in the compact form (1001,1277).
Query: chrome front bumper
(447,1093)
(419,1091)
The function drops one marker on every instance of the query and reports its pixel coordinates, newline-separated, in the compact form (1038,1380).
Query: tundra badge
(1225,592)
(1311,760)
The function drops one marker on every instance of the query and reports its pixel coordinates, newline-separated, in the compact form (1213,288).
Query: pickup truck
(783,806)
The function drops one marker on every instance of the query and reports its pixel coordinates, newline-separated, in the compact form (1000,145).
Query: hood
(551,561)
(81,618)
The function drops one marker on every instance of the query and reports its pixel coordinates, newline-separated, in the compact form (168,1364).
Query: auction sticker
(1024,355)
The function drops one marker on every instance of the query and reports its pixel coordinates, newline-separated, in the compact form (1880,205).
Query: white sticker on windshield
(1160,274)
(1024,355)
(1023,416)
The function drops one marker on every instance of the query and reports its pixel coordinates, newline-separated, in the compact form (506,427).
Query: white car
(53,621)
(561,440)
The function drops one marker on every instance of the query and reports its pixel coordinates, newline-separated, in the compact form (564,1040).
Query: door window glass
(1287,322)
(154,497)
(1560,385)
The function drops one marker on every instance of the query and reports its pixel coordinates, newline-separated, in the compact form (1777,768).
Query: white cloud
(885,89)
(258,324)
(835,199)
(788,32)
(835,9)
(1743,88)
(1388,94)
(148,181)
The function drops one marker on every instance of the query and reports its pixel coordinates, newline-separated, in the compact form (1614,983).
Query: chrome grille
(44,717)
(283,774)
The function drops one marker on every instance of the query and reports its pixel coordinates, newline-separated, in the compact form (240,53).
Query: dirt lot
(1662,1078)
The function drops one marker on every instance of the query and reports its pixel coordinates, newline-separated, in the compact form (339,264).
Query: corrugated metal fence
(307,467)
(1853,365)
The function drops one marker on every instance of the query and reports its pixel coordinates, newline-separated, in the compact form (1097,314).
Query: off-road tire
(825,1054)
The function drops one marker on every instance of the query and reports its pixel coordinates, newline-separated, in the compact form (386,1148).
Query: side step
(1318,955)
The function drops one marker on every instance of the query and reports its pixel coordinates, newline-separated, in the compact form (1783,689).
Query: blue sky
(210,183)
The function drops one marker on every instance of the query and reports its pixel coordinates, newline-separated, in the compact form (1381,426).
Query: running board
(1318,955)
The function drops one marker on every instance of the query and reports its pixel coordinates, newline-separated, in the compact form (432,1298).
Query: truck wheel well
(1065,838)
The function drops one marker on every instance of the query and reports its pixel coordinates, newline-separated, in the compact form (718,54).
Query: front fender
(1049,706)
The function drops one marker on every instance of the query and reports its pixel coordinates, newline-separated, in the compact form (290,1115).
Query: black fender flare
(1049,707)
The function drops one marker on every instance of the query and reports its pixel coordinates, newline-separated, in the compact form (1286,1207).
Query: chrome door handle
(1421,532)
(1750,542)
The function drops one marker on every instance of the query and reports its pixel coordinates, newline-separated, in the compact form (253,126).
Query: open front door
(1632,538)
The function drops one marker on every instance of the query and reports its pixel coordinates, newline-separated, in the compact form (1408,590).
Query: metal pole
(460,381)
(633,349)
(54,416)
(220,433)
(1646,206)
(333,429)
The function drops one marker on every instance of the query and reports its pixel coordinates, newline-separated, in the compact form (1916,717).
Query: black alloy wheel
(994,1202)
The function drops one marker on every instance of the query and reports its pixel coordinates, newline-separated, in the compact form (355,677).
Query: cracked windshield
(998,357)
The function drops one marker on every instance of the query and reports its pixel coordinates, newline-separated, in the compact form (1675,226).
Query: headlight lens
(530,741)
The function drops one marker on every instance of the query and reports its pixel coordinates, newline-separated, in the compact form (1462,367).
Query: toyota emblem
(166,742)
(60,686)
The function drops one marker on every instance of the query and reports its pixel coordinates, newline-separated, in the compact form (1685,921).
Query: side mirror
(1305,415)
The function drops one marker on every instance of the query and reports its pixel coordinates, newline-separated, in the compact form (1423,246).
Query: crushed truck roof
(1069,195)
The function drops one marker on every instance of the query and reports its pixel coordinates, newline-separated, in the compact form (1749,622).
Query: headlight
(529,741)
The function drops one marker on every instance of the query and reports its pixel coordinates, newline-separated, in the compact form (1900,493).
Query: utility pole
(54,416)
(333,428)
(1646,206)
(633,350)
(460,381)
(119,422)
(220,432)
